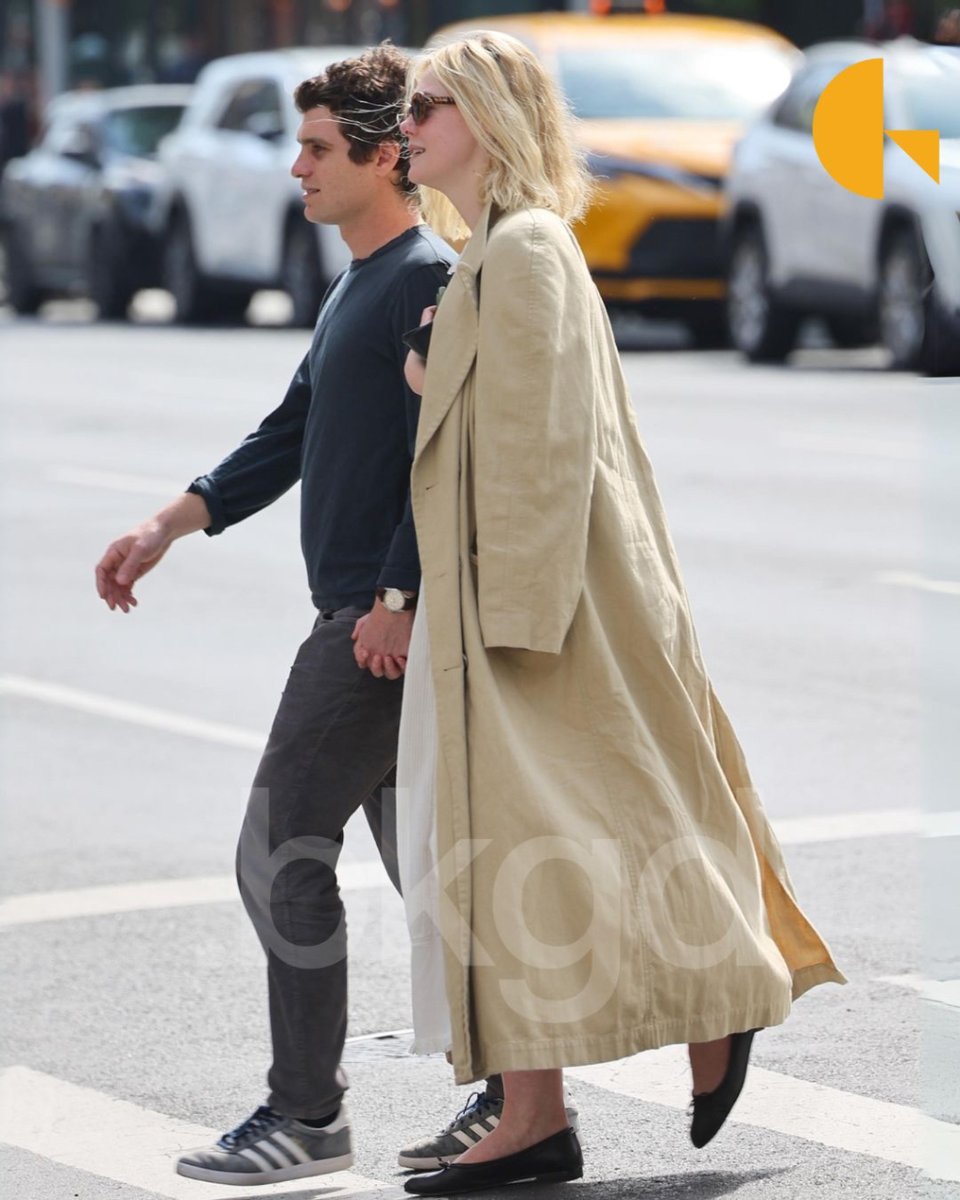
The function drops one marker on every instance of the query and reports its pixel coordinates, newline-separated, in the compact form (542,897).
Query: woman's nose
(406,125)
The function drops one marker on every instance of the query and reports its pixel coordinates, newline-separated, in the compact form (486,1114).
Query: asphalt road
(814,510)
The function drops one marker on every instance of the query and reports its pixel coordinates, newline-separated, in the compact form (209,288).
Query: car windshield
(137,131)
(684,80)
(933,101)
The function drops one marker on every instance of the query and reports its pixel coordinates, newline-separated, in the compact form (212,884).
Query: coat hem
(550,1053)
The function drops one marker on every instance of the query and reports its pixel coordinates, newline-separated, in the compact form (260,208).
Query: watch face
(394,599)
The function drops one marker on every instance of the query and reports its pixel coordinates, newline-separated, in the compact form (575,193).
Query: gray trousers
(332,748)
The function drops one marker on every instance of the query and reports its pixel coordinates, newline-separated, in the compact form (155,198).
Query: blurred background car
(802,245)
(73,212)
(661,100)
(229,213)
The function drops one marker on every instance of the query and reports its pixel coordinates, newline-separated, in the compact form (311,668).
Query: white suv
(799,244)
(229,212)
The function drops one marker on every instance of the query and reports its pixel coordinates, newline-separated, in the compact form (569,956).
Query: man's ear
(388,156)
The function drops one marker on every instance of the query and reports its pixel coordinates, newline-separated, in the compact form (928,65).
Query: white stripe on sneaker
(273,1154)
(258,1160)
(291,1147)
(463,1136)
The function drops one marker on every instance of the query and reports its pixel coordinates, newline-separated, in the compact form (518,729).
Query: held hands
(415,367)
(381,640)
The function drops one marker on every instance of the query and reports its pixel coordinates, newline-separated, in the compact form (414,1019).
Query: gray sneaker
(270,1148)
(478,1117)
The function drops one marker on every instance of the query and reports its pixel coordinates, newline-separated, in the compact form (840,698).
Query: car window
(795,110)
(137,131)
(682,80)
(931,97)
(254,98)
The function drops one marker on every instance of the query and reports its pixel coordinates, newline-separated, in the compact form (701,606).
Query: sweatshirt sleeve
(535,436)
(401,567)
(265,464)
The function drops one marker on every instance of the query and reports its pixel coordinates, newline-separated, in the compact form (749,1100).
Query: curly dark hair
(367,96)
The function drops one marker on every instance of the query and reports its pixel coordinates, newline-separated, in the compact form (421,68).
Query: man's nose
(297,170)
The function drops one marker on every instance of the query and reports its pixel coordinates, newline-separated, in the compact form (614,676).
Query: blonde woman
(581,832)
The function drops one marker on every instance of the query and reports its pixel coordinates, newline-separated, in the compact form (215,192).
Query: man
(346,429)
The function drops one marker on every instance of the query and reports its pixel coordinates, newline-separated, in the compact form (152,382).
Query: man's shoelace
(478,1101)
(263,1120)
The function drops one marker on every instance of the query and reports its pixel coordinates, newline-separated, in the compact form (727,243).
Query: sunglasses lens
(418,109)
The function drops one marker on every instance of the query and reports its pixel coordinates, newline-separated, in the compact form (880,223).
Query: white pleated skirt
(417,843)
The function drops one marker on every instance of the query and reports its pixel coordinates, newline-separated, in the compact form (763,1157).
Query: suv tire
(23,294)
(193,297)
(301,273)
(109,282)
(707,322)
(760,327)
(902,305)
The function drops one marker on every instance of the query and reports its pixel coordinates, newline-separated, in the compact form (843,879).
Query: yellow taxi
(661,100)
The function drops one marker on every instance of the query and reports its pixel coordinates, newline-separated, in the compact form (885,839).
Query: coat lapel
(453,344)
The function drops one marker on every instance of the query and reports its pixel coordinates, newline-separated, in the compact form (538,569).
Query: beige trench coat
(609,881)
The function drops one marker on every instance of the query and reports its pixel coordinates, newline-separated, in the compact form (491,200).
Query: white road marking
(838,827)
(940,991)
(125,710)
(113,1139)
(33,907)
(384,1033)
(797,1108)
(943,587)
(116,481)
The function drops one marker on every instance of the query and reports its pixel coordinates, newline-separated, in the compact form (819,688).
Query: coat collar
(453,345)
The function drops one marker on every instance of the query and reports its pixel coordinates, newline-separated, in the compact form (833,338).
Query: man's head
(352,152)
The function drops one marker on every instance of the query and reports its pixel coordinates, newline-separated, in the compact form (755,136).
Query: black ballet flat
(554,1160)
(711,1109)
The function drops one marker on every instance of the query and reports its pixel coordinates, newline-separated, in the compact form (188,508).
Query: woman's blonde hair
(516,112)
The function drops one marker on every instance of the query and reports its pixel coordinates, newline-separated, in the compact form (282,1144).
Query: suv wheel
(23,294)
(902,308)
(110,287)
(301,275)
(192,295)
(760,327)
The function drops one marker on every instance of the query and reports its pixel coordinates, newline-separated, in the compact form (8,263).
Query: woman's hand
(415,367)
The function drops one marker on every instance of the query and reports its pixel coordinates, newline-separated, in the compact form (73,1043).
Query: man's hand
(130,557)
(381,640)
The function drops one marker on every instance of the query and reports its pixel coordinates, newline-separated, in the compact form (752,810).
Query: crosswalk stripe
(797,1108)
(114,1139)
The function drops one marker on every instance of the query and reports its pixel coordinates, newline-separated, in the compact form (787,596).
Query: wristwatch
(395,600)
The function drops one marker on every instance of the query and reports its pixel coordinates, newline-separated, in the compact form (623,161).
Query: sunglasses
(422,102)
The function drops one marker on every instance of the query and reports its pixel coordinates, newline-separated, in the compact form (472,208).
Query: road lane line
(114,1139)
(115,481)
(34,907)
(943,587)
(797,1108)
(135,714)
(839,827)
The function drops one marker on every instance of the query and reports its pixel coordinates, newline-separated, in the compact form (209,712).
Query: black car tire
(194,298)
(902,301)
(108,275)
(761,328)
(707,323)
(23,294)
(302,274)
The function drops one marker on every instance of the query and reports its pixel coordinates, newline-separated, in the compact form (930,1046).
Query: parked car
(661,101)
(800,244)
(230,215)
(73,211)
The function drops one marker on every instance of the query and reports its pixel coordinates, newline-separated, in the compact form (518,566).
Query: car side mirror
(82,147)
(266,125)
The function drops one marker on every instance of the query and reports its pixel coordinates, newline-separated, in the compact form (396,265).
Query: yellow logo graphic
(848,132)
